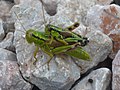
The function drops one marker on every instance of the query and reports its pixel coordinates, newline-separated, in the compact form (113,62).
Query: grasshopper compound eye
(76,24)
(84,42)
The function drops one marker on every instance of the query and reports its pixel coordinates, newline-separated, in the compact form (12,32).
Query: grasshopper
(65,35)
(56,40)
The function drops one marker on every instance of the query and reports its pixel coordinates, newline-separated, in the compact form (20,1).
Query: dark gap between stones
(115,2)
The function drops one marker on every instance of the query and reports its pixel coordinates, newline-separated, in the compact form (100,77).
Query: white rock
(7,43)
(10,77)
(99,47)
(2,33)
(5,7)
(97,80)
(106,19)
(76,10)
(62,71)
(7,55)
(17,1)
(116,72)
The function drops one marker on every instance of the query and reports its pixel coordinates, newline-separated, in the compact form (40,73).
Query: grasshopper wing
(79,53)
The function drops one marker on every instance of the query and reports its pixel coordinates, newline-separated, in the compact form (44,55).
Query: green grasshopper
(43,41)
(65,35)
(56,40)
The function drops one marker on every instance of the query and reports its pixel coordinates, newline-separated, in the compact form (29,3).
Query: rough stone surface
(7,43)
(50,6)
(16,1)
(5,7)
(10,78)
(7,55)
(116,72)
(99,47)
(8,24)
(63,69)
(97,80)
(78,8)
(107,20)
(2,33)
(61,73)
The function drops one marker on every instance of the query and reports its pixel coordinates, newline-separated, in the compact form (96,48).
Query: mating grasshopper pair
(56,40)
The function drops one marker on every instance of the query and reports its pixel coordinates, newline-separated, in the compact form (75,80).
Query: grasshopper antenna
(19,21)
(43,12)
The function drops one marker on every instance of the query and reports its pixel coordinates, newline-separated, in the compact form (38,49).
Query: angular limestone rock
(106,19)
(7,43)
(10,77)
(7,55)
(116,72)
(63,70)
(97,80)
(2,32)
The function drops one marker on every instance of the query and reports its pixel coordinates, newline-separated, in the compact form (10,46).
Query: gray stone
(8,24)
(78,8)
(7,55)
(5,7)
(7,43)
(99,47)
(2,33)
(106,19)
(50,6)
(63,71)
(10,77)
(116,72)
(97,80)
(16,1)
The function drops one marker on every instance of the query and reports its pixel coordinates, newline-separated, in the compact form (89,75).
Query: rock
(78,8)
(99,47)
(106,19)
(63,70)
(61,73)
(50,6)
(10,77)
(7,43)
(2,33)
(7,55)
(8,26)
(16,1)
(5,7)
(116,72)
(97,80)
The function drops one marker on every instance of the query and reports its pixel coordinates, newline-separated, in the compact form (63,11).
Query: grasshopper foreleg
(35,53)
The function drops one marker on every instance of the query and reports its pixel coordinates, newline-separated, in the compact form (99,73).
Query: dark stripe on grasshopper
(72,27)
(37,37)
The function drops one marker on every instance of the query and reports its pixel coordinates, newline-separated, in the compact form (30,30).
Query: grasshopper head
(29,36)
(84,42)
